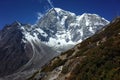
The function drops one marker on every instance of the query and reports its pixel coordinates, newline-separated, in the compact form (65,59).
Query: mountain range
(26,48)
(96,58)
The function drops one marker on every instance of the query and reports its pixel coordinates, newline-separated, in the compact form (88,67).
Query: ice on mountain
(63,20)
(66,28)
(57,9)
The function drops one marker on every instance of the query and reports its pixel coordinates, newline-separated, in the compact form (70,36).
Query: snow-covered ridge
(59,28)
(34,45)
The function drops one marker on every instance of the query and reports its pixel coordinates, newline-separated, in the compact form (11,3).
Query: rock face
(25,47)
(12,53)
(97,57)
(18,53)
(61,28)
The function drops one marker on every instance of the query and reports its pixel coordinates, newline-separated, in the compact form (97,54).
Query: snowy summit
(59,28)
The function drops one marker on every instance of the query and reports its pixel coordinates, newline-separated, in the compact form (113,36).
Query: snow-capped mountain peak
(59,28)
(34,45)
(58,9)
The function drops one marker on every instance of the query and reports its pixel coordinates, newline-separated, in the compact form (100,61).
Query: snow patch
(91,30)
(57,9)
(63,20)
(42,32)
(87,23)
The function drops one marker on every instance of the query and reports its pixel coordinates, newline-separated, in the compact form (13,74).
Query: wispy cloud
(46,7)
(40,15)
(49,1)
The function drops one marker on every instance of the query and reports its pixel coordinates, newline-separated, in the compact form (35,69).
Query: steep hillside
(96,58)
(17,55)
(12,49)
(25,47)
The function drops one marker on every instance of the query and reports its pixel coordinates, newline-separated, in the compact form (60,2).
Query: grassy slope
(96,58)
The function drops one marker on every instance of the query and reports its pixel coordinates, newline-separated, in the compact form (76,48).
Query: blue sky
(26,11)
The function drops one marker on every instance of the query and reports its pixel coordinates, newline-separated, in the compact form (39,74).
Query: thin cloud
(40,15)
